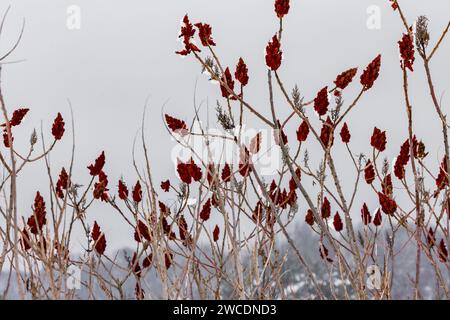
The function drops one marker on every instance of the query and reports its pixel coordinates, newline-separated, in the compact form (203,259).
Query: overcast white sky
(124,52)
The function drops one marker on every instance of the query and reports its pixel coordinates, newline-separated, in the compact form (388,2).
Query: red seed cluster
(241,73)
(99,239)
(377,220)
(100,187)
(378,140)
(292,184)
(137,192)
(38,219)
(369,172)
(187,33)
(402,160)
(281,8)
(176,125)
(226,173)
(443,253)
(388,205)
(442,178)
(345,78)
(326,134)
(58,127)
(406,46)
(205,34)
(273,54)
(365,215)
(228,79)
(189,171)
(394,4)
(18,116)
(244,162)
(62,183)
(371,73)
(165,185)
(96,168)
(325,211)
(345,133)
(303,131)
(309,218)
(205,213)
(123,190)
(386,185)
(337,223)
(142,232)
(321,102)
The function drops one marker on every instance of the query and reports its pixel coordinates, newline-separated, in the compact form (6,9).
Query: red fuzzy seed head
(345,134)
(309,218)
(38,219)
(378,139)
(25,240)
(442,178)
(431,238)
(62,183)
(345,78)
(205,34)
(241,73)
(142,232)
(187,33)
(365,215)
(337,223)
(228,79)
(371,73)
(17,117)
(326,209)
(394,4)
(273,54)
(406,46)
(123,190)
(292,184)
(99,239)
(257,213)
(369,172)
(303,131)
(216,233)
(183,228)
(321,102)
(244,162)
(97,167)
(58,127)
(282,8)
(176,125)
(326,134)
(378,218)
(226,173)
(388,205)
(205,213)
(137,192)
(443,253)
(255,143)
(165,185)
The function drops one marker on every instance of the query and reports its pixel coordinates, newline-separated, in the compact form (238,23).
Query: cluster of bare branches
(222,229)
